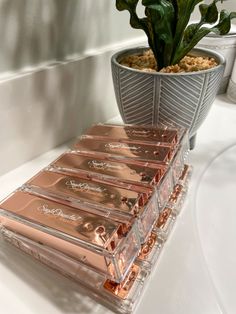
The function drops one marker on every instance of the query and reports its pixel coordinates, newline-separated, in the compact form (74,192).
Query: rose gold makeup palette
(126,204)
(141,134)
(139,174)
(101,212)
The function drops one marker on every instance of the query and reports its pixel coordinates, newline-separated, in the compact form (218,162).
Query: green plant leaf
(131,6)
(161,33)
(166,25)
(209,13)
(224,25)
(197,33)
(184,9)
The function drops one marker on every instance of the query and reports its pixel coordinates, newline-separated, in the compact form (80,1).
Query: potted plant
(173,91)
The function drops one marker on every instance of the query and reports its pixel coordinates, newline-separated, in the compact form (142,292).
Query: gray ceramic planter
(183,99)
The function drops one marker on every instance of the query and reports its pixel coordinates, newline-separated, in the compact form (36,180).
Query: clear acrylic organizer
(100,243)
(122,298)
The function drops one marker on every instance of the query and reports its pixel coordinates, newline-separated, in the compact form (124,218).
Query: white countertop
(196,271)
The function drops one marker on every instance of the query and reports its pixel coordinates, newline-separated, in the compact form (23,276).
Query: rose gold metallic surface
(184,173)
(101,180)
(120,204)
(79,253)
(94,240)
(80,224)
(106,195)
(122,289)
(135,133)
(124,172)
(163,217)
(176,193)
(148,246)
(141,152)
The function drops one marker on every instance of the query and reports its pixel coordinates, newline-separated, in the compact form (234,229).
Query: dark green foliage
(166,24)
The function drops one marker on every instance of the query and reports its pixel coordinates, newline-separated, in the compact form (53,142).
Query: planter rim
(220,58)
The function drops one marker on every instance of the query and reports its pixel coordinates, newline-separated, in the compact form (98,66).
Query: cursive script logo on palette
(58,212)
(139,133)
(95,164)
(114,146)
(84,187)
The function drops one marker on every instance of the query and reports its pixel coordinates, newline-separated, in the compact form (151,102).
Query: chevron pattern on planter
(214,82)
(150,98)
(135,97)
(186,100)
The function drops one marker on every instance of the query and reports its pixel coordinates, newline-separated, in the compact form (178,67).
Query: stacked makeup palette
(101,212)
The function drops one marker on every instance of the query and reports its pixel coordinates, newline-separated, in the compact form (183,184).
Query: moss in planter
(147,63)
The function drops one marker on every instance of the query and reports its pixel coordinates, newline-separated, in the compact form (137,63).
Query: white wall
(55,75)
(34,31)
